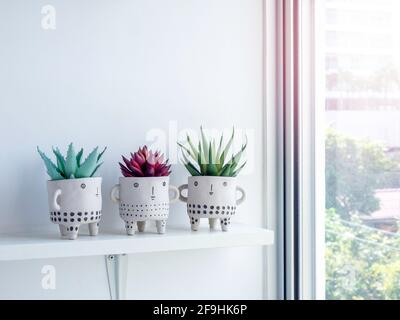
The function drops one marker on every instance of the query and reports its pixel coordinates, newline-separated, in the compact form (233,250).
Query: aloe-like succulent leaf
(214,153)
(192,169)
(190,153)
(70,162)
(227,147)
(52,169)
(95,169)
(210,156)
(212,169)
(61,168)
(236,158)
(235,173)
(192,147)
(79,157)
(60,161)
(88,166)
(222,159)
(225,170)
(185,157)
(203,160)
(232,167)
(205,145)
(218,155)
(189,166)
(101,154)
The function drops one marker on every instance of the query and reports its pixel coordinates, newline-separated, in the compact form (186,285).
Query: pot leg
(71,232)
(93,228)
(63,230)
(160,224)
(225,224)
(130,231)
(141,225)
(213,223)
(195,223)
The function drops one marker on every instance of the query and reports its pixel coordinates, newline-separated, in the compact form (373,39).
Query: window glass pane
(362,169)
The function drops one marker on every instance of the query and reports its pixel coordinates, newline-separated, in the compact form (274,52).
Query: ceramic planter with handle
(143,199)
(74,202)
(211,197)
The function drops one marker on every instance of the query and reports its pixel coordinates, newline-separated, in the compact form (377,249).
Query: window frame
(312,149)
(300,87)
(294,187)
(273,152)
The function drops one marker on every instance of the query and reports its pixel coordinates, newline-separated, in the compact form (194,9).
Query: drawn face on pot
(144,198)
(211,187)
(211,196)
(77,194)
(144,191)
(89,191)
(152,189)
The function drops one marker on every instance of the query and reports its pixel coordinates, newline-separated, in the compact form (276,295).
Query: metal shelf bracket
(117,272)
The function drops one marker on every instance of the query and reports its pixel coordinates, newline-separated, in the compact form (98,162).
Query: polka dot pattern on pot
(194,220)
(79,217)
(226,221)
(135,212)
(130,224)
(204,210)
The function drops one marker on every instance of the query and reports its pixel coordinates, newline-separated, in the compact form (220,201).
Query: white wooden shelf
(38,245)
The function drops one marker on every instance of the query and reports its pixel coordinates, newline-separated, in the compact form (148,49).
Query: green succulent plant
(209,160)
(71,166)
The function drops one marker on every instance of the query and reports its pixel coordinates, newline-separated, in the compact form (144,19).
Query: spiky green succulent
(209,160)
(71,166)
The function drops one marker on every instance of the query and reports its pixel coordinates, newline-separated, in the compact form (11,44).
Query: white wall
(110,73)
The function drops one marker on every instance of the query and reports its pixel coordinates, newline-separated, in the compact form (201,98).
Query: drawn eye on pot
(225,183)
(136,184)
(196,183)
(164,184)
(83,186)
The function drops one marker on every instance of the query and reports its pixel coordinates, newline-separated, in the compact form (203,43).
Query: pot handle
(175,191)
(57,193)
(181,188)
(243,197)
(113,196)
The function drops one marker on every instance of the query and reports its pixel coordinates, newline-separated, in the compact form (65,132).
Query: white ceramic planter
(211,197)
(73,202)
(143,199)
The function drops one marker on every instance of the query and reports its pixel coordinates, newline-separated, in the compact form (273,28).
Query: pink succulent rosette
(145,163)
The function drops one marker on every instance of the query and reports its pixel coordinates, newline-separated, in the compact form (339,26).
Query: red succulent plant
(145,163)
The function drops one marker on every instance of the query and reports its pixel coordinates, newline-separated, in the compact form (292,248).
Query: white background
(110,73)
